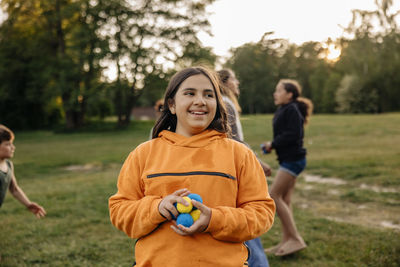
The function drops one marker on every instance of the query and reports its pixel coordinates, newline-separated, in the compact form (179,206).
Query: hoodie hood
(199,140)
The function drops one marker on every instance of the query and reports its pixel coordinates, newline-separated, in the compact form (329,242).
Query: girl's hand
(37,210)
(266,168)
(268,146)
(198,226)
(166,206)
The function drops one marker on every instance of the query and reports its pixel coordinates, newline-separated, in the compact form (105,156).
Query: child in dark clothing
(293,112)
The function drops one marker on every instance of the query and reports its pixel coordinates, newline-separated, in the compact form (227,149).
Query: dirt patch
(86,167)
(92,167)
(378,189)
(323,180)
(321,196)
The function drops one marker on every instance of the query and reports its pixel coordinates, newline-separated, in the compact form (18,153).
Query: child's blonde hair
(224,76)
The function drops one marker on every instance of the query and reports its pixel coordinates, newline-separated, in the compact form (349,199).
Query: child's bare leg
(278,189)
(281,192)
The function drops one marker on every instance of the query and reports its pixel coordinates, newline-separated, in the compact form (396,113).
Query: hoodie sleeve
(130,210)
(255,209)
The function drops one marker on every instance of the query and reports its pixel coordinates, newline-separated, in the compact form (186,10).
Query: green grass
(337,244)
(357,148)
(360,149)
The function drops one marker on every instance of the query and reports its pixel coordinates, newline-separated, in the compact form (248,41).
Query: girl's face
(281,96)
(233,84)
(7,149)
(194,105)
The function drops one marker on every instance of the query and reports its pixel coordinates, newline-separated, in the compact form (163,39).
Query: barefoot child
(191,153)
(7,177)
(288,126)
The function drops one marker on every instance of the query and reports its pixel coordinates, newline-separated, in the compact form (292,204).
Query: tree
(195,54)
(72,41)
(379,46)
(25,68)
(329,104)
(259,67)
(78,52)
(145,35)
(61,62)
(312,71)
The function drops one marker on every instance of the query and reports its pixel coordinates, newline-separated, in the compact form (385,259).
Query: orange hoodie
(225,173)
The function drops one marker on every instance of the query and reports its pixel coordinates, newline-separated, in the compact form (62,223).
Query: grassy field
(348,215)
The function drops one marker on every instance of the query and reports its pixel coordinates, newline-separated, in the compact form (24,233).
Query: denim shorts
(293,167)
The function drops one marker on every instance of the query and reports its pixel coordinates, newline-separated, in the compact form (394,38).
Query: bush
(355,97)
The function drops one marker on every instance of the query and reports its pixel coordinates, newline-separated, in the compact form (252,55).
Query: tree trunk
(65,95)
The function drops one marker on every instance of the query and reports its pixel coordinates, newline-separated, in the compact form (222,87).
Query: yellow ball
(195,214)
(185,209)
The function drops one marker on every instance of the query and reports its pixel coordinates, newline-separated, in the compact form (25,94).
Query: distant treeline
(54,57)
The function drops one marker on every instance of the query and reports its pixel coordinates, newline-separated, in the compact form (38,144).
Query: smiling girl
(191,153)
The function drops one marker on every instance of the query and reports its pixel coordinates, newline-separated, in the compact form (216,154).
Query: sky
(236,22)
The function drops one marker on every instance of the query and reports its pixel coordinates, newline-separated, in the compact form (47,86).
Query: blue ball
(196,197)
(185,219)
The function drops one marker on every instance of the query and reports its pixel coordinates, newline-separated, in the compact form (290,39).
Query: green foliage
(154,89)
(24,100)
(259,67)
(379,47)
(194,54)
(51,50)
(148,33)
(100,104)
(329,91)
(255,67)
(353,97)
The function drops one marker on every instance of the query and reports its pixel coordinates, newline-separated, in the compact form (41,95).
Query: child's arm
(19,194)
(266,168)
(131,211)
